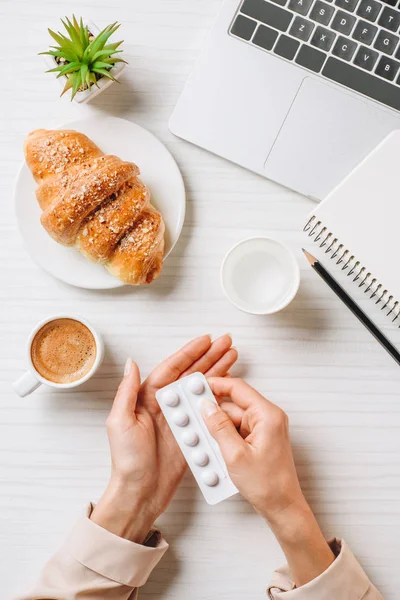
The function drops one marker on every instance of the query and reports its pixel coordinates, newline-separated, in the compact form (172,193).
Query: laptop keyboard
(352,42)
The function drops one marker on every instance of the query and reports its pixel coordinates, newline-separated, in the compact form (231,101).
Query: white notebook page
(363,212)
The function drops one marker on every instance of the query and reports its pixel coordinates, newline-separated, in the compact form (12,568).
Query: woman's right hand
(253,435)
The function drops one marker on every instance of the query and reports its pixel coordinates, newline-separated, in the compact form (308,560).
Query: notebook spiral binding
(323,237)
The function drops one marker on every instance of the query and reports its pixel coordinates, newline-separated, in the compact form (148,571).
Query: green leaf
(99,41)
(57,37)
(88,81)
(93,79)
(67,86)
(100,65)
(114,45)
(83,33)
(70,68)
(76,85)
(64,44)
(104,73)
(55,69)
(84,71)
(104,52)
(73,34)
(113,61)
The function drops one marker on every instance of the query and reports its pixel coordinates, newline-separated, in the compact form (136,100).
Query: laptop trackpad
(326,133)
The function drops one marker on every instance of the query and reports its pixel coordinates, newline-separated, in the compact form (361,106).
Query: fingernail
(128,366)
(208,407)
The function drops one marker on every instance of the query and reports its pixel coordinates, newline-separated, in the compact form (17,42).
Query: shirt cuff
(113,557)
(344,574)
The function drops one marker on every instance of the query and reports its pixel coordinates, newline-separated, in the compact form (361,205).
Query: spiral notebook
(356,230)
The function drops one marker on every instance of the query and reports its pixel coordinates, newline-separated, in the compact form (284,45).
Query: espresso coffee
(63,351)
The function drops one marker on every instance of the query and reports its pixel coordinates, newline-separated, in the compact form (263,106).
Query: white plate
(158,170)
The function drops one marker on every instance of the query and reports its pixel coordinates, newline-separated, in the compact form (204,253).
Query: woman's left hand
(147,464)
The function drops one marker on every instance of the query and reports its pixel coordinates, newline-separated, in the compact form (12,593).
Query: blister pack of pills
(180,403)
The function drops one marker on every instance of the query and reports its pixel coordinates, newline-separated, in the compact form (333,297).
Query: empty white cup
(260,276)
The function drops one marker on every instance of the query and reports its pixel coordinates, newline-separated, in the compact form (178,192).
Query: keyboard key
(362,82)
(280,2)
(366,58)
(364,32)
(391,2)
(389,19)
(270,14)
(244,27)
(286,47)
(323,38)
(343,22)
(322,12)
(344,48)
(265,37)
(300,6)
(387,68)
(369,9)
(301,29)
(310,59)
(349,5)
(386,42)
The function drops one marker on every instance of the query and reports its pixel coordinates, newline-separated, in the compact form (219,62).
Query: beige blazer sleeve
(95,564)
(343,579)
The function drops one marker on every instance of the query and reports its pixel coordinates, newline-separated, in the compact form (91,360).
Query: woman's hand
(253,435)
(147,464)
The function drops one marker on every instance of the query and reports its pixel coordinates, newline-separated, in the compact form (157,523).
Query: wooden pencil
(352,306)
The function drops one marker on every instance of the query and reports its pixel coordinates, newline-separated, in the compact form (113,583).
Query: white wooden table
(339,388)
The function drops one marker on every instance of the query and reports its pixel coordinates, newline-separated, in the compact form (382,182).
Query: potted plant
(84,60)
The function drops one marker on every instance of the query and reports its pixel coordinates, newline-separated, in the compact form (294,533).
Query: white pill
(181,418)
(170,398)
(191,438)
(200,458)
(210,478)
(196,385)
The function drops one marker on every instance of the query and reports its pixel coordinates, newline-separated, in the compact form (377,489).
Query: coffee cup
(63,352)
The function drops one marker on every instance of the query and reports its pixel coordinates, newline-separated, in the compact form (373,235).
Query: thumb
(222,429)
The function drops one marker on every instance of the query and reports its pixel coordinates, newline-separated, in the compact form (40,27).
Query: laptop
(298,91)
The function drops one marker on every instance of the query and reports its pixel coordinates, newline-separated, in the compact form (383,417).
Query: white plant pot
(103,83)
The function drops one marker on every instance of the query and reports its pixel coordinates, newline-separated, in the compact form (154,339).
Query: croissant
(96,203)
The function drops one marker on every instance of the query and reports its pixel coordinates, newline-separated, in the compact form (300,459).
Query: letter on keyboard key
(301,29)
(390,19)
(386,42)
(387,68)
(364,32)
(300,6)
(366,58)
(343,22)
(265,37)
(267,13)
(310,59)
(344,48)
(349,5)
(323,38)
(362,82)
(321,12)
(369,9)
(243,27)
(286,47)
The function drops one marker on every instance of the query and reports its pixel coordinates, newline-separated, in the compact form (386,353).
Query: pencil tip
(311,259)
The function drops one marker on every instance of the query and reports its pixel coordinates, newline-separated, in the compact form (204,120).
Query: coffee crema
(63,351)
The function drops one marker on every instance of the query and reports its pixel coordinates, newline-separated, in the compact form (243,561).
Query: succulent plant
(82,57)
